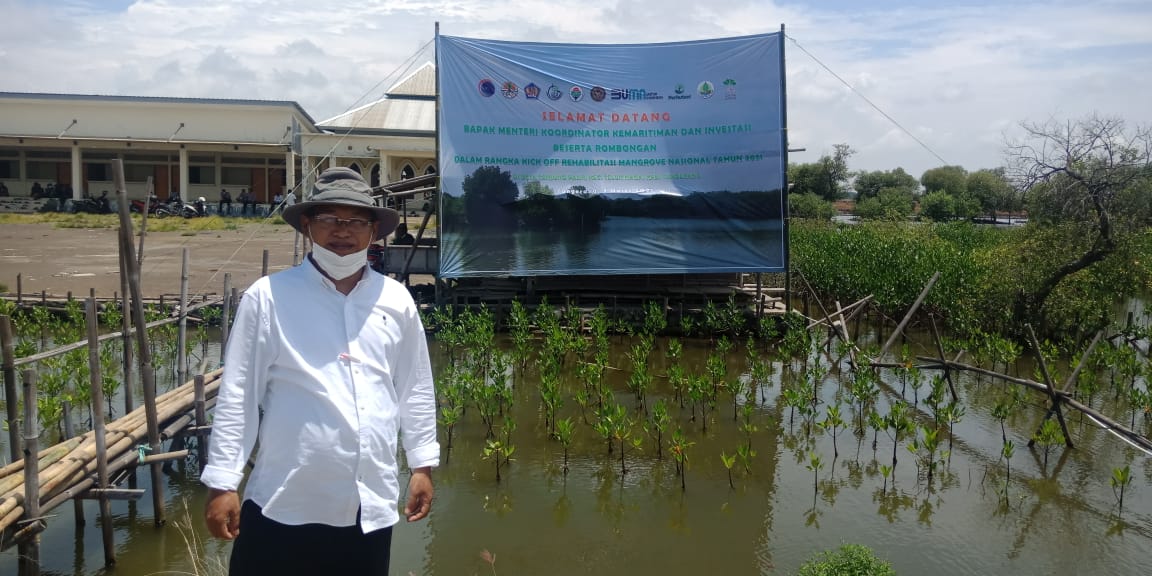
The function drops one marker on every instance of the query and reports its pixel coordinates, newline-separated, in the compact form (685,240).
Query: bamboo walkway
(68,470)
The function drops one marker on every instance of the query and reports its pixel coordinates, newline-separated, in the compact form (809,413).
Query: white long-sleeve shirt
(338,379)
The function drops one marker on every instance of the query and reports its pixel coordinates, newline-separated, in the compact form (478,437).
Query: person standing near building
(225,203)
(243,198)
(328,366)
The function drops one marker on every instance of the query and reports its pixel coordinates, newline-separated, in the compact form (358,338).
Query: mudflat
(62,260)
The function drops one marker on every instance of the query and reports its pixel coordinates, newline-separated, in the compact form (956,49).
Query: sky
(957,76)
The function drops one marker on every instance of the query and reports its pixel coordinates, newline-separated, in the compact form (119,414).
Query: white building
(195,147)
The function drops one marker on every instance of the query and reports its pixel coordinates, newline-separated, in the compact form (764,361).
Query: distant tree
(890,204)
(810,206)
(938,206)
(993,192)
(869,184)
(578,190)
(534,187)
(826,177)
(487,193)
(950,179)
(1090,175)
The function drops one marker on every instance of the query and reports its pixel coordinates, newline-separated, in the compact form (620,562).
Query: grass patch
(112,221)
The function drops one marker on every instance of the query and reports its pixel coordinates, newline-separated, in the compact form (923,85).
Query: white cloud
(958,77)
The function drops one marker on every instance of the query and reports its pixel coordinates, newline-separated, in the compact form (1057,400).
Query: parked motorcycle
(177,207)
(91,205)
(138,205)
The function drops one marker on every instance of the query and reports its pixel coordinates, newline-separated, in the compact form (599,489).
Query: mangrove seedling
(729,462)
(564,430)
(657,424)
(887,471)
(815,464)
(500,453)
(745,454)
(1007,452)
(834,421)
(1121,479)
(897,421)
(1048,436)
(678,446)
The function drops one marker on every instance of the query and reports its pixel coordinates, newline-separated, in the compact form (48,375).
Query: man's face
(344,236)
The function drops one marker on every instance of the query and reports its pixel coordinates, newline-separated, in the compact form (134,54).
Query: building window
(137,172)
(354,167)
(98,171)
(375,181)
(9,169)
(407,172)
(42,171)
(206,174)
(236,176)
(431,169)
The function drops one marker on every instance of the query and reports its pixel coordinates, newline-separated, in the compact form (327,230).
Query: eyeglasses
(330,222)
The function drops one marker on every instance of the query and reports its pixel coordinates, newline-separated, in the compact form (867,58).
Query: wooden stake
(263,264)
(126,332)
(226,314)
(144,220)
(96,391)
(908,317)
(9,369)
(182,332)
(1050,388)
(19,290)
(198,399)
(147,374)
(943,360)
(70,432)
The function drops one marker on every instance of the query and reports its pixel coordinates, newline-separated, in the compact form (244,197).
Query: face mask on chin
(336,266)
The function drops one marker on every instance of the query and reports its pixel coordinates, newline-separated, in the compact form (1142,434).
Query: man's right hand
(222,513)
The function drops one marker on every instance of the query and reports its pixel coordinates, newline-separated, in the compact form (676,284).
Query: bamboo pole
(19,290)
(147,374)
(182,333)
(263,264)
(148,187)
(9,369)
(96,392)
(1050,388)
(126,332)
(31,553)
(943,360)
(403,277)
(226,312)
(69,432)
(1130,435)
(908,317)
(1070,382)
(198,400)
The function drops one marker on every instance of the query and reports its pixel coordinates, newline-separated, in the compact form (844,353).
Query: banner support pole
(785,216)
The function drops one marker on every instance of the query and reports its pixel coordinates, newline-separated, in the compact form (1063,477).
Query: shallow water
(1061,517)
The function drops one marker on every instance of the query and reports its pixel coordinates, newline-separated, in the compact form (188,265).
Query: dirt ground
(59,260)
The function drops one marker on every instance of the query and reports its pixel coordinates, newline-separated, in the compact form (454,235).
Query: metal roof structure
(157,100)
(407,109)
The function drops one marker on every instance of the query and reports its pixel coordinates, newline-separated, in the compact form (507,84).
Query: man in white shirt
(327,364)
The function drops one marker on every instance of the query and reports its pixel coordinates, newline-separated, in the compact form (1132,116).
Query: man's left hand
(419,495)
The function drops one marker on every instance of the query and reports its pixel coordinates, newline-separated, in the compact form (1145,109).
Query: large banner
(611,159)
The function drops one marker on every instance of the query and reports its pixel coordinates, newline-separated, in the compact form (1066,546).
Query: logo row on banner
(706,89)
